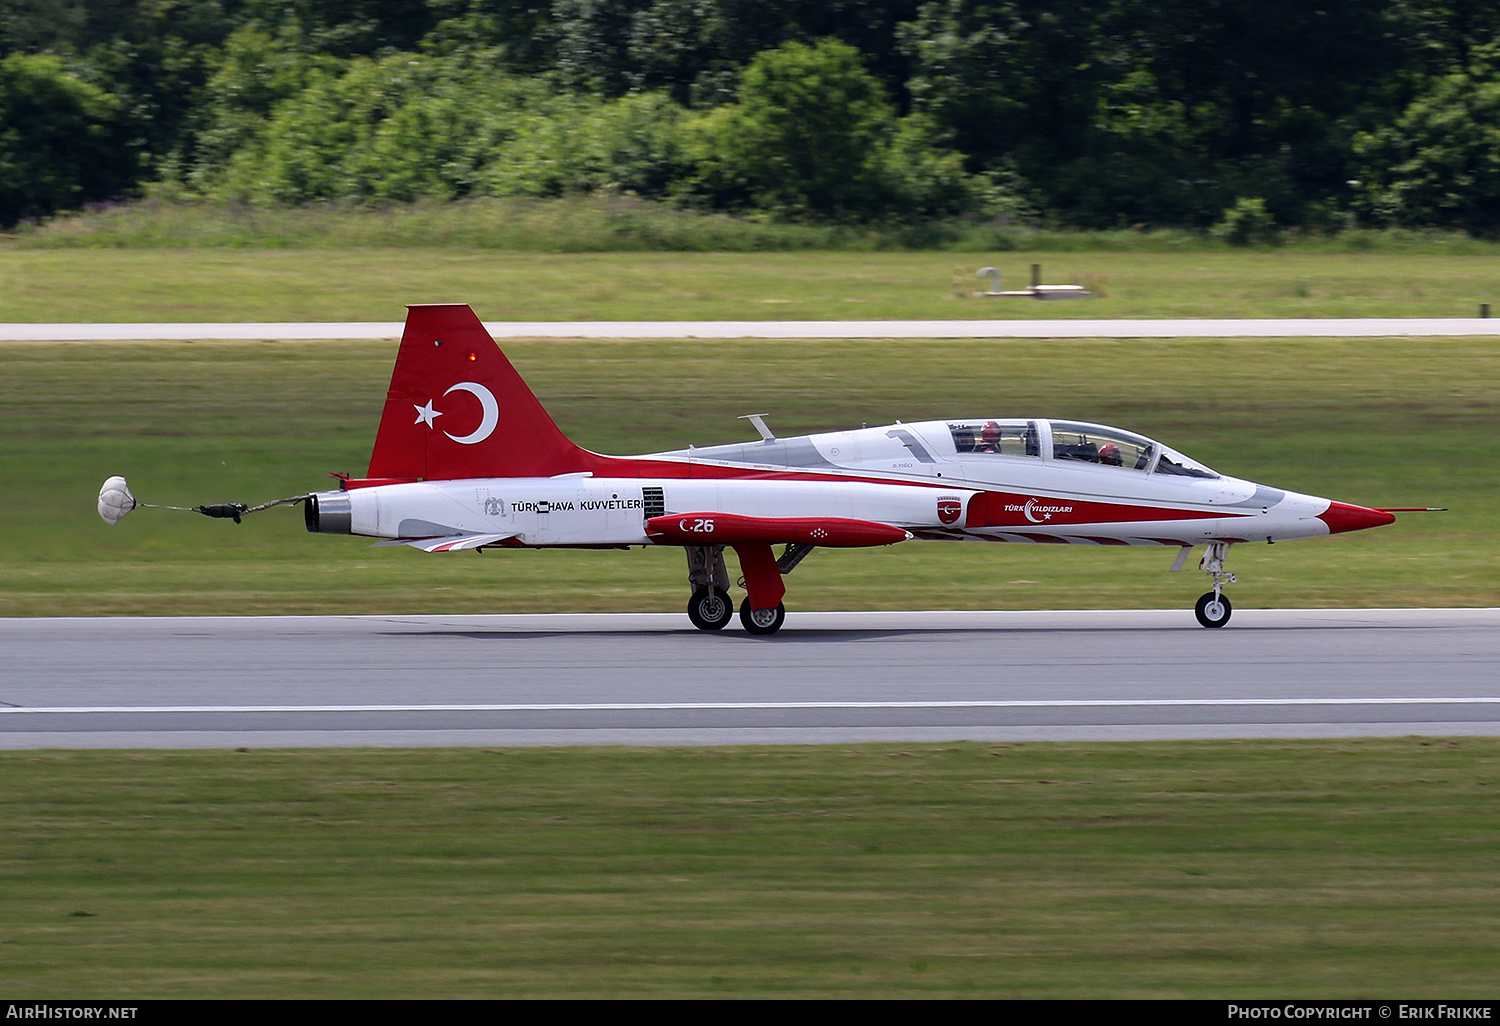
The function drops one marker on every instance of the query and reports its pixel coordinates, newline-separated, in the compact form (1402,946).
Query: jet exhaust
(329,513)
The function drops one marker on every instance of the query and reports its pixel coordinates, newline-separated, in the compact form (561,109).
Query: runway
(650,679)
(1321,327)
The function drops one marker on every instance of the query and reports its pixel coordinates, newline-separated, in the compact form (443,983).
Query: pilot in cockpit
(989,438)
(1109,454)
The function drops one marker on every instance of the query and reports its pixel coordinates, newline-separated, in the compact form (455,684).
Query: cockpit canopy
(996,437)
(1070,441)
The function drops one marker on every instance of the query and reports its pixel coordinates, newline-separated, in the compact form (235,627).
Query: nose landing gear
(1214,608)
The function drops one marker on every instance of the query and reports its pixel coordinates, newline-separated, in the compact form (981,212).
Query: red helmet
(1110,453)
(990,432)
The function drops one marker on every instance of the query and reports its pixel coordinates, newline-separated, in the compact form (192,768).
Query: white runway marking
(1290,327)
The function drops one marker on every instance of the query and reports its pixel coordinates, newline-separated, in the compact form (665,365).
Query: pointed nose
(1341,517)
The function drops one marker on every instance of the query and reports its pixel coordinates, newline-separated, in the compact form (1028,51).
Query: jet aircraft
(465,457)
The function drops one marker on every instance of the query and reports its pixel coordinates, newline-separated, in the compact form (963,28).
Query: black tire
(710,609)
(1213,613)
(762,621)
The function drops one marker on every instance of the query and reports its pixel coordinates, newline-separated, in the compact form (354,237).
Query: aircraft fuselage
(912,476)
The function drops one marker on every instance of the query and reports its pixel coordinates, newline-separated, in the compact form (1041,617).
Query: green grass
(1292,869)
(609,221)
(1375,422)
(374,284)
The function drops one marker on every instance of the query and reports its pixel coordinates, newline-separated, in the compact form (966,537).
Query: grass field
(1296,869)
(374,284)
(1252,869)
(1375,422)
(608,221)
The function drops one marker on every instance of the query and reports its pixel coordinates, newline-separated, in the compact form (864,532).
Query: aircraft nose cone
(1340,517)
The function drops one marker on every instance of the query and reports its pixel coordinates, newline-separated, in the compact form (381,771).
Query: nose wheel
(1213,609)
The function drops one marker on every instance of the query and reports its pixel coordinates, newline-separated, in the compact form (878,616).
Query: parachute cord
(229,510)
(280,502)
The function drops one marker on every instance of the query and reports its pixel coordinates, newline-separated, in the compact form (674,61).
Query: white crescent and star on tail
(489,418)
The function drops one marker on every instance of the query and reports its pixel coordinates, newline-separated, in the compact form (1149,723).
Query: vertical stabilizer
(456,408)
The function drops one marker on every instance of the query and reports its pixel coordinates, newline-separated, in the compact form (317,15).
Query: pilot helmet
(1110,453)
(990,433)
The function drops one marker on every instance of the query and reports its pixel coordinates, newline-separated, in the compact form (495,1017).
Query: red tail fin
(457,408)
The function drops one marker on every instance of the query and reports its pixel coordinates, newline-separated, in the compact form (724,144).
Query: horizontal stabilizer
(734,528)
(448,543)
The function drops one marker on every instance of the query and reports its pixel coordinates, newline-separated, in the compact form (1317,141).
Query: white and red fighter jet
(467,458)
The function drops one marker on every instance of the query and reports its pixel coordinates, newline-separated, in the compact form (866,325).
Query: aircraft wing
(448,542)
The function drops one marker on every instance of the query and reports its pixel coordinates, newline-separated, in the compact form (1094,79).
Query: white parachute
(115,500)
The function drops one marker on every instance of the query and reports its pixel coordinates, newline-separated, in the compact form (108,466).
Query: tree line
(1090,113)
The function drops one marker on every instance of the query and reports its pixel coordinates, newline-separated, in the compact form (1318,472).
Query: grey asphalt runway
(1322,327)
(827,677)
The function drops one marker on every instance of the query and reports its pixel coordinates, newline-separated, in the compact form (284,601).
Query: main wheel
(762,621)
(710,609)
(1213,612)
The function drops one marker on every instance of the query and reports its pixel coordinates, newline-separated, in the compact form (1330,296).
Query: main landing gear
(762,621)
(1214,608)
(710,607)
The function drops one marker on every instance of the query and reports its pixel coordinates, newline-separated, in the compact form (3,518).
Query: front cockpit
(1072,442)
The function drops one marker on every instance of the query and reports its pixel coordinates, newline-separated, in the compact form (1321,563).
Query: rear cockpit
(996,437)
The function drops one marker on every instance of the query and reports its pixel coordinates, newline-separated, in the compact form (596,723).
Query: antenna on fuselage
(758,419)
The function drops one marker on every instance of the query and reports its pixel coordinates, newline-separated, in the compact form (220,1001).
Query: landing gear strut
(709,608)
(1213,609)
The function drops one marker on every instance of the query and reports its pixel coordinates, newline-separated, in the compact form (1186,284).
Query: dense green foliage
(1098,115)
(55,134)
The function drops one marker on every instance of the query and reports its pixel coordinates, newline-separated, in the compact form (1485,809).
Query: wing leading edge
(448,542)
